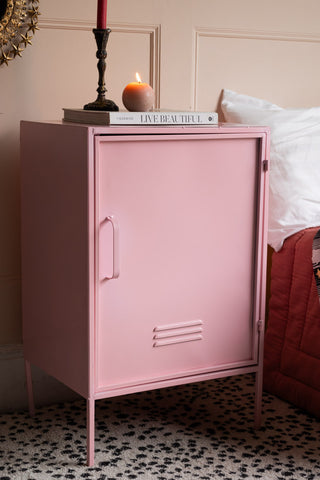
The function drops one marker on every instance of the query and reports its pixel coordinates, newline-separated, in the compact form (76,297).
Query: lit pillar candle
(138,96)
(102,14)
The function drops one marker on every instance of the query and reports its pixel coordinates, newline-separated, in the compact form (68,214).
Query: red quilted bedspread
(292,342)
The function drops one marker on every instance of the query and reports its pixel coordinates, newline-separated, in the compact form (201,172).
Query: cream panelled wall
(189,50)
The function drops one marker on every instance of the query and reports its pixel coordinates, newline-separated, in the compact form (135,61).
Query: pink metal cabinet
(143,256)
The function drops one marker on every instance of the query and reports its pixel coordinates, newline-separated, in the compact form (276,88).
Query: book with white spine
(101,117)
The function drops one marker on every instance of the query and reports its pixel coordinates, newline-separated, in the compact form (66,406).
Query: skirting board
(13,394)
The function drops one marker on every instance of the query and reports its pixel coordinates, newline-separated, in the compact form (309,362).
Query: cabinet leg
(27,368)
(90,431)
(258,398)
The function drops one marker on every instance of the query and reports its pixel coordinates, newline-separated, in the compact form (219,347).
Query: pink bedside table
(143,256)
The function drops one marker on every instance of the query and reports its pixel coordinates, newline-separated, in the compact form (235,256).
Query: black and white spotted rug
(200,431)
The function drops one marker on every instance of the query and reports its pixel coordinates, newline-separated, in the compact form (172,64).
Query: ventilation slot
(177,333)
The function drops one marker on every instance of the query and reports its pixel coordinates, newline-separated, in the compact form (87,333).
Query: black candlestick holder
(101,103)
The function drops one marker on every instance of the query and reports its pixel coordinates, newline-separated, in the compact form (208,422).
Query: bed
(292,339)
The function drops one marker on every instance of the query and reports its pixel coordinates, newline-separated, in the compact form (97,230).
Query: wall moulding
(256,34)
(287,41)
(153,31)
(10,351)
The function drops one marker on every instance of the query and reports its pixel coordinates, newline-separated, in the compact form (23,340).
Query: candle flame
(138,77)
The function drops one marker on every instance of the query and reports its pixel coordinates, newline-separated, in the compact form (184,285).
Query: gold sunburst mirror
(18,23)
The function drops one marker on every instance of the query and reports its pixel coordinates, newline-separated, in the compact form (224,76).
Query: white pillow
(294,161)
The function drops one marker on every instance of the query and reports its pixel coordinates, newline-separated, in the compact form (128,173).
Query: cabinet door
(180,215)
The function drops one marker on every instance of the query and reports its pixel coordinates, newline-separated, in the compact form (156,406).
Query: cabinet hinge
(260,325)
(265,165)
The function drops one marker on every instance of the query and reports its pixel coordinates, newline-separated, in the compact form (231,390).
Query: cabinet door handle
(115,246)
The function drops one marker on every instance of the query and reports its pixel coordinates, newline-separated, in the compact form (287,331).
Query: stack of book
(96,117)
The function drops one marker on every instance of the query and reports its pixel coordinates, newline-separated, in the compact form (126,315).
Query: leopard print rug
(199,431)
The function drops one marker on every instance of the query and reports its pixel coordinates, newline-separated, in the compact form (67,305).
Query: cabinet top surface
(221,128)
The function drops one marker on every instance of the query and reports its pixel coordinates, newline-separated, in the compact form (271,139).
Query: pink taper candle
(102,14)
